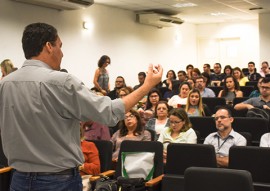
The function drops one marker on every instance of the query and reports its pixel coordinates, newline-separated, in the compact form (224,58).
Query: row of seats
(182,156)
(255,126)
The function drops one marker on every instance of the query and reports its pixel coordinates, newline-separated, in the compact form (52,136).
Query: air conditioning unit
(157,20)
(59,4)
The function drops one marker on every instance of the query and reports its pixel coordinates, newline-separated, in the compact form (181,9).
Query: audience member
(207,79)
(262,102)
(7,67)
(123,92)
(231,89)
(264,69)
(195,73)
(180,99)
(225,137)
(182,75)
(207,69)
(179,131)
(252,73)
(119,83)
(101,77)
(153,98)
(189,69)
(141,78)
(201,85)
(191,82)
(40,135)
(228,71)
(217,76)
(239,76)
(194,106)
(131,129)
(170,77)
(160,120)
(256,92)
(91,165)
(95,131)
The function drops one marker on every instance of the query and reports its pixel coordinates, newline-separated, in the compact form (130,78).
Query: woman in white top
(179,131)
(181,98)
(160,121)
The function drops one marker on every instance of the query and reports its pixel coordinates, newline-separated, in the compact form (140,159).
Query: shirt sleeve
(79,102)
(264,140)
(191,137)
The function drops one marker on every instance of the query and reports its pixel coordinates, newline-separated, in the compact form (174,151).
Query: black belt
(70,171)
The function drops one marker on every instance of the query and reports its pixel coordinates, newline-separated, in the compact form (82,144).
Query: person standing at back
(101,78)
(41,134)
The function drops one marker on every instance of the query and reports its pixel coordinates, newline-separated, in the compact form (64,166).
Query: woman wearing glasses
(130,129)
(179,131)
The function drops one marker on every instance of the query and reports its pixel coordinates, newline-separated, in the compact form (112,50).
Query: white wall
(264,29)
(130,45)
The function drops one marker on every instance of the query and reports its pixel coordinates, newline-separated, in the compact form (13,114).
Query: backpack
(106,184)
(258,113)
(130,184)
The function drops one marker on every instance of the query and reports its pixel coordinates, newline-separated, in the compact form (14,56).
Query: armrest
(106,173)
(154,181)
(5,169)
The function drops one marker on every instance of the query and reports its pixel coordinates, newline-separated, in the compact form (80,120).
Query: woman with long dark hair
(231,89)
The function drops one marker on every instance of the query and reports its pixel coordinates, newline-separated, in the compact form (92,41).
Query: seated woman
(130,129)
(160,121)
(91,165)
(153,98)
(179,131)
(194,106)
(239,76)
(181,98)
(231,89)
(256,92)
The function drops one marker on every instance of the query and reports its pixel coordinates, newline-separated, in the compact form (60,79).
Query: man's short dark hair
(35,37)
(266,79)
(218,64)
(225,108)
(142,74)
(251,63)
(207,65)
(183,72)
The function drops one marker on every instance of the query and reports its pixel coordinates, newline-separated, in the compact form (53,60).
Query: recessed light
(179,5)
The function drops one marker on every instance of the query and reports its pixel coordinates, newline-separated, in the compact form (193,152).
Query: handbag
(130,184)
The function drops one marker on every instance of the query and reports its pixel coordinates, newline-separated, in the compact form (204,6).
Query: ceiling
(205,11)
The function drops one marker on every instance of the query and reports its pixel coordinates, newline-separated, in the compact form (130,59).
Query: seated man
(200,83)
(225,137)
(263,101)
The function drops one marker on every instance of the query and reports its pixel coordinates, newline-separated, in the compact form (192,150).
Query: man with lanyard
(225,137)
(41,134)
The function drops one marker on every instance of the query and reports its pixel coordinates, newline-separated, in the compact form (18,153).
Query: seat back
(252,83)
(105,154)
(216,89)
(204,125)
(142,146)
(180,156)
(239,113)
(253,159)
(256,126)
(214,102)
(217,179)
(246,90)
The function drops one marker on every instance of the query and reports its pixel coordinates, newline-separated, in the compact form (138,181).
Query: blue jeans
(33,182)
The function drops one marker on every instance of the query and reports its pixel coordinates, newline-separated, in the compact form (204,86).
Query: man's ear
(48,46)
(231,119)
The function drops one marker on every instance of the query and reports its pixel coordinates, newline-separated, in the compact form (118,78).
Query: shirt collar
(37,63)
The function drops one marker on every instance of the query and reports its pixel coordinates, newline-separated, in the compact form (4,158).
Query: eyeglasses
(175,122)
(265,87)
(154,96)
(131,116)
(221,117)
